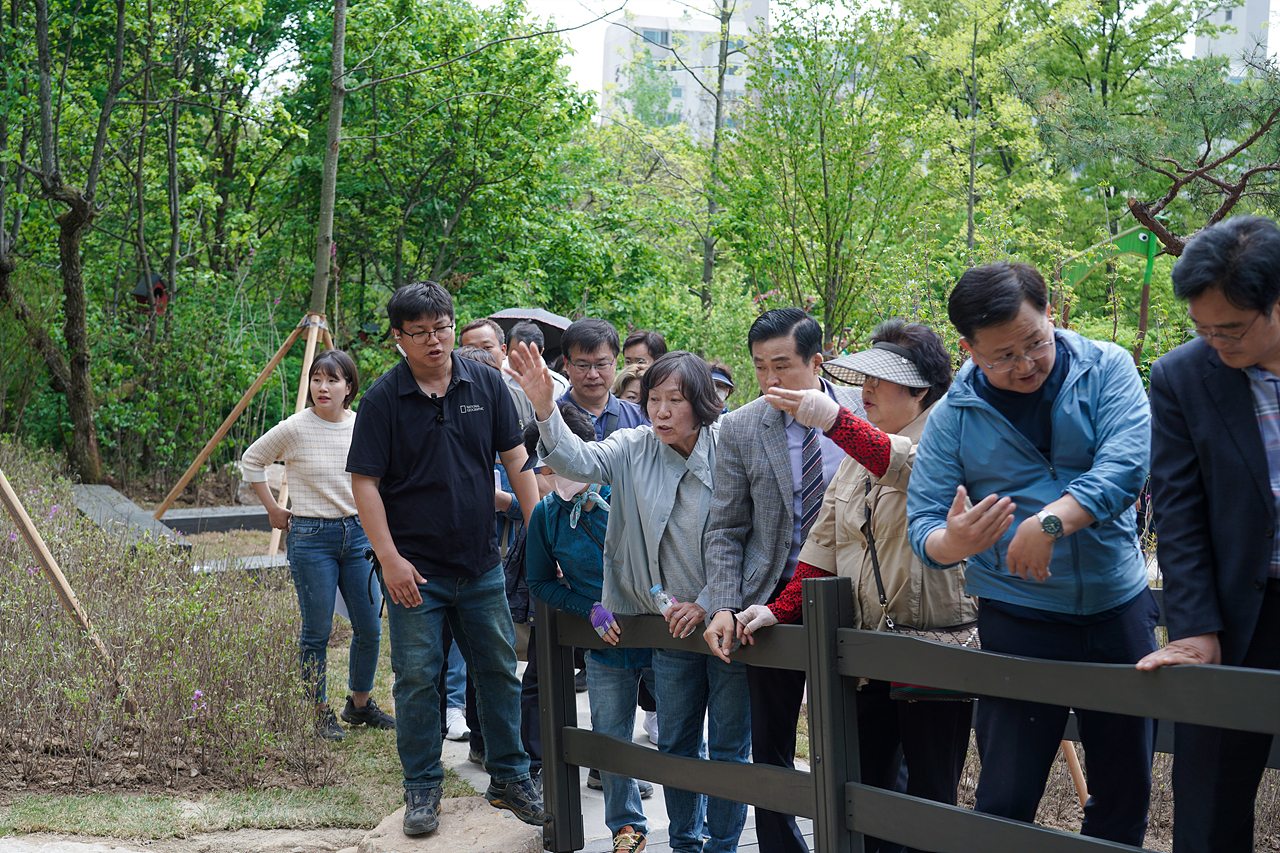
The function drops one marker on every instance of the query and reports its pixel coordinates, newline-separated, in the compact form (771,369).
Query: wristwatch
(1050,523)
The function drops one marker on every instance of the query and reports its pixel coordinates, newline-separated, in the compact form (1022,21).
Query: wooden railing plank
(950,829)
(1189,694)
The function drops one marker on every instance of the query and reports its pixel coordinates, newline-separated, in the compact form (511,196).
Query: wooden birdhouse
(159,290)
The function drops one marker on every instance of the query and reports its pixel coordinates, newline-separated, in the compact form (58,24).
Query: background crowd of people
(991,505)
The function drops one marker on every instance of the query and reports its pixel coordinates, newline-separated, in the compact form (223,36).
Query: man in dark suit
(1215,480)
(761,510)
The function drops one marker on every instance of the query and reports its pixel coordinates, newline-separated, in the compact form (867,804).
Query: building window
(677,91)
(1229,11)
(659,37)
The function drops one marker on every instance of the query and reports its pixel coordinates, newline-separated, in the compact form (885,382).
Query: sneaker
(457,720)
(421,810)
(520,798)
(370,715)
(594,783)
(580,682)
(327,727)
(475,757)
(627,840)
(651,726)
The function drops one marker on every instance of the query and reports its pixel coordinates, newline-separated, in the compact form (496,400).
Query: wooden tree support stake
(65,594)
(1077,775)
(304,383)
(311,323)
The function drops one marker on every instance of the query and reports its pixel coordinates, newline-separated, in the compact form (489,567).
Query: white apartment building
(686,49)
(1253,21)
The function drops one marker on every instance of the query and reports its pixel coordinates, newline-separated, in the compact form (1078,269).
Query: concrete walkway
(655,808)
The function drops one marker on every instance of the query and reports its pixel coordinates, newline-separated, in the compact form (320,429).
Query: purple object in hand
(601,619)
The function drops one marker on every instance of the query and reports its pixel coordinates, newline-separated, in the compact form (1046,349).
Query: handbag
(964,634)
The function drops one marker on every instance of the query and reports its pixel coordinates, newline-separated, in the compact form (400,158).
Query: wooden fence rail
(833,656)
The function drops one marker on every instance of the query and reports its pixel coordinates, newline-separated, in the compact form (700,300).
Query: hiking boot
(520,798)
(421,810)
(475,757)
(628,840)
(327,727)
(370,715)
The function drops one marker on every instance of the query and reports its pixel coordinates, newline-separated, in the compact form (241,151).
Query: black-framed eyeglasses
(424,336)
(1235,339)
(588,366)
(1005,365)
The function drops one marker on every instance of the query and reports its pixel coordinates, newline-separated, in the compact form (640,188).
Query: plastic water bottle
(660,598)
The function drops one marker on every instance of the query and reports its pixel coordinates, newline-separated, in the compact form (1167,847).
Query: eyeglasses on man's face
(439,332)
(585,367)
(1208,335)
(1005,365)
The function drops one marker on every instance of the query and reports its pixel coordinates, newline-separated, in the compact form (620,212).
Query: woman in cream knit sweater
(326,542)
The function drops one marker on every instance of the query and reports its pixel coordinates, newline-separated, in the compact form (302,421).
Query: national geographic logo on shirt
(463,410)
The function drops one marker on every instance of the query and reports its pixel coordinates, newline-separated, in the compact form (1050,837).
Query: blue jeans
(327,555)
(455,680)
(612,691)
(478,616)
(691,686)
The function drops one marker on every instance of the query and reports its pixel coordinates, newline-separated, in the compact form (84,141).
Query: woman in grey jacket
(661,480)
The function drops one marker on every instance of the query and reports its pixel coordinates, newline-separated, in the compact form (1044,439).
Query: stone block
(467,825)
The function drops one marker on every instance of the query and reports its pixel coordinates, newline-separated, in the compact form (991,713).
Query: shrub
(210,659)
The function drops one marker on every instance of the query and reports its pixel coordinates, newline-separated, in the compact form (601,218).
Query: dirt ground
(217,489)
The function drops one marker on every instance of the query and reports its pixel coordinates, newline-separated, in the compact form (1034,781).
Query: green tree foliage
(876,153)
(824,173)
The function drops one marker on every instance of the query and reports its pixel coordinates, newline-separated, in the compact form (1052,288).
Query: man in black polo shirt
(421,465)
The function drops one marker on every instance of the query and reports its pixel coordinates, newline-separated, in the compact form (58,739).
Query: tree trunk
(329,179)
(83,455)
(713,188)
(74,376)
(973,137)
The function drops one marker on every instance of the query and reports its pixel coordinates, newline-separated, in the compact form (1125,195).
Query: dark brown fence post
(558,704)
(833,715)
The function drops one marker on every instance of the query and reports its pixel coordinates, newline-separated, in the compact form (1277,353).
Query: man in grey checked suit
(761,502)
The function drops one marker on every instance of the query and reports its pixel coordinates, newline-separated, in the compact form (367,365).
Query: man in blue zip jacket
(1049,434)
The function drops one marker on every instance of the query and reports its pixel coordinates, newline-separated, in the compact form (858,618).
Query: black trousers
(1216,771)
(1017,740)
(930,738)
(776,696)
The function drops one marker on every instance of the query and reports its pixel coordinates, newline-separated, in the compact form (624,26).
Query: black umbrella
(552,325)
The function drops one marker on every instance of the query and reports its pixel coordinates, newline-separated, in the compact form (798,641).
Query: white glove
(756,616)
(817,410)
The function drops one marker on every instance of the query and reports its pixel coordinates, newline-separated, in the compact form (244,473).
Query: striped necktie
(810,481)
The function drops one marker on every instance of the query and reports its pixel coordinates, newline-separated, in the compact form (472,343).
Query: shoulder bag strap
(610,424)
(875,562)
